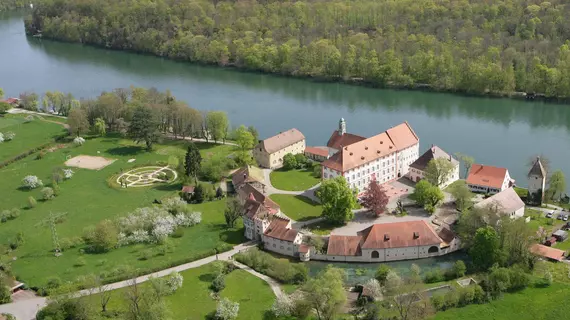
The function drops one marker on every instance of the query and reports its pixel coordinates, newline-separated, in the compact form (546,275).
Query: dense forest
(11,4)
(472,46)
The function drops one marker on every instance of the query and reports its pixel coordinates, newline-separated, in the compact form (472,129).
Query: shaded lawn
(528,304)
(193,300)
(298,208)
(28,135)
(88,199)
(293,180)
(322,228)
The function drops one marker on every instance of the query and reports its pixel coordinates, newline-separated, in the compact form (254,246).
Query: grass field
(298,208)
(322,228)
(529,304)
(28,135)
(87,199)
(293,180)
(193,300)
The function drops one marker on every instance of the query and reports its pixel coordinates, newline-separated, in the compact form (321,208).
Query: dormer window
(416,235)
(386,237)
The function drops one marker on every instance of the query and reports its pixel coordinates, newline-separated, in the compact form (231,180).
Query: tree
(459,268)
(227,310)
(192,161)
(233,211)
(244,138)
(1,93)
(29,101)
(427,195)
(32,182)
(198,195)
(4,107)
(382,273)
(254,133)
(403,295)
(5,294)
(77,121)
(105,236)
(325,293)
(485,249)
(47,193)
(438,171)
(99,127)
(218,124)
(475,218)
(467,162)
(556,185)
(375,198)
(462,195)
(289,162)
(144,126)
(337,199)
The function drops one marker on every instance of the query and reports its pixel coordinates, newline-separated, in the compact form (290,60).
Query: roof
(434,152)
(246,175)
(337,141)
(380,145)
(344,245)
(282,140)
(304,248)
(537,169)
(547,252)
(278,229)
(10,100)
(487,176)
(403,136)
(256,204)
(506,201)
(560,233)
(319,151)
(188,189)
(446,235)
(398,235)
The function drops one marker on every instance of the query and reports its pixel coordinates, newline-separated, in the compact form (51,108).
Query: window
(433,249)
(375,254)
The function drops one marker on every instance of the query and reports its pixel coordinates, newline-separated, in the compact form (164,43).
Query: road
(27,309)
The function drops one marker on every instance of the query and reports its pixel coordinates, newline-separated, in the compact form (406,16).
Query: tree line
(11,4)
(466,46)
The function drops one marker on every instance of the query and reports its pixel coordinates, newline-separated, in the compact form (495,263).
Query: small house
(319,154)
(187,191)
(550,241)
(488,179)
(551,254)
(506,202)
(560,235)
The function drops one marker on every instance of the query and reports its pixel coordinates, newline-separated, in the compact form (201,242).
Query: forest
(468,46)
(11,4)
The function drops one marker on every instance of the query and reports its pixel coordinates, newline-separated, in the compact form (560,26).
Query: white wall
(288,248)
(415,175)
(536,183)
(407,157)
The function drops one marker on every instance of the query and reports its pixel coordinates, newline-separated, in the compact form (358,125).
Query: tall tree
(467,162)
(325,293)
(1,93)
(192,161)
(485,250)
(427,195)
(438,171)
(100,127)
(375,198)
(144,126)
(29,101)
(218,124)
(244,138)
(556,185)
(254,133)
(77,121)
(462,195)
(232,212)
(338,200)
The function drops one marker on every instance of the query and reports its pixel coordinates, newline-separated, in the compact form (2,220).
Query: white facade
(288,248)
(491,190)
(416,175)
(405,158)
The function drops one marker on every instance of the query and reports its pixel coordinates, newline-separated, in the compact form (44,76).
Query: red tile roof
(337,141)
(188,189)
(278,229)
(446,235)
(10,100)
(246,175)
(282,140)
(547,252)
(344,245)
(487,176)
(304,248)
(403,136)
(319,151)
(256,204)
(399,234)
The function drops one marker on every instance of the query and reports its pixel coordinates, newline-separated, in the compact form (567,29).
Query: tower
(536,182)
(341,127)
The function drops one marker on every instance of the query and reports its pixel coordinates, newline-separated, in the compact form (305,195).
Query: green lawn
(193,300)
(529,304)
(322,228)
(539,220)
(298,208)
(88,199)
(293,180)
(28,135)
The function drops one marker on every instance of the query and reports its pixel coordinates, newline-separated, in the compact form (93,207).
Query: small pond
(360,272)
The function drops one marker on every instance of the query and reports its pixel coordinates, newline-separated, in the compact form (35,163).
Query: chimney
(416,235)
(386,237)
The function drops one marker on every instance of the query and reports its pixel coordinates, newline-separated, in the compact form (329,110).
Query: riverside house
(269,153)
(488,179)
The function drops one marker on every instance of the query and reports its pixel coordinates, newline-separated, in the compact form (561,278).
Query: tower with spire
(341,127)
(536,182)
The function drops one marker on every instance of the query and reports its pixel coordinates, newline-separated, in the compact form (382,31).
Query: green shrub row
(459,297)
(25,154)
(279,269)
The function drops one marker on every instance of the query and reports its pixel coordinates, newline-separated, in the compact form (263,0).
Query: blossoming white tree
(227,310)
(67,173)
(32,182)
(174,282)
(79,141)
(283,306)
(1,137)
(374,289)
(8,136)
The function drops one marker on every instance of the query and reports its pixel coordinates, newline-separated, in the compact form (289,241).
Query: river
(500,132)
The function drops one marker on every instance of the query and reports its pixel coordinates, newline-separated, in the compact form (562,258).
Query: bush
(282,270)
(78,141)
(31,202)
(80,262)
(48,193)
(459,269)
(219,283)
(227,310)
(301,160)
(9,136)
(289,162)
(382,273)
(546,280)
(435,275)
(40,155)
(32,182)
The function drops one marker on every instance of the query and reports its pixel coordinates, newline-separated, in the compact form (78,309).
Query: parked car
(559,217)
(550,214)
(565,218)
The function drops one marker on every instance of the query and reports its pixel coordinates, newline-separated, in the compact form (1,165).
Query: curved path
(270,189)
(27,309)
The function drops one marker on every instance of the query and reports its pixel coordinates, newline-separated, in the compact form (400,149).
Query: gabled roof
(434,152)
(344,245)
(256,204)
(337,141)
(537,169)
(246,175)
(282,140)
(487,176)
(403,136)
(506,201)
(278,229)
(547,252)
(319,151)
(399,235)
(446,235)
(188,189)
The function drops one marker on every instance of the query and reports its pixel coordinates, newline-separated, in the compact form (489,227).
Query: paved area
(27,309)
(363,219)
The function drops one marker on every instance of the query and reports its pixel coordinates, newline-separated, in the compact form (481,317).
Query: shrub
(546,280)
(382,273)
(459,268)
(1,137)
(289,162)
(219,283)
(31,202)
(67,173)
(48,193)
(282,270)
(14,213)
(9,136)
(104,237)
(32,182)
(79,141)
(80,262)
(227,310)
(40,155)
(174,282)
(29,118)
(435,275)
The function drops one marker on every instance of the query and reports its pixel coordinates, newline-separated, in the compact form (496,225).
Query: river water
(499,132)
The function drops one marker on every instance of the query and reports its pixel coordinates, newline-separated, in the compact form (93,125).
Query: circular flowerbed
(146,176)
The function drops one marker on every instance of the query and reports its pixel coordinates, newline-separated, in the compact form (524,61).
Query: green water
(499,132)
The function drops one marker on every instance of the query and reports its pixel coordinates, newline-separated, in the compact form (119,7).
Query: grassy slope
(193,300)
(297,207)
(88,199)
(28,135)
(293,180)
